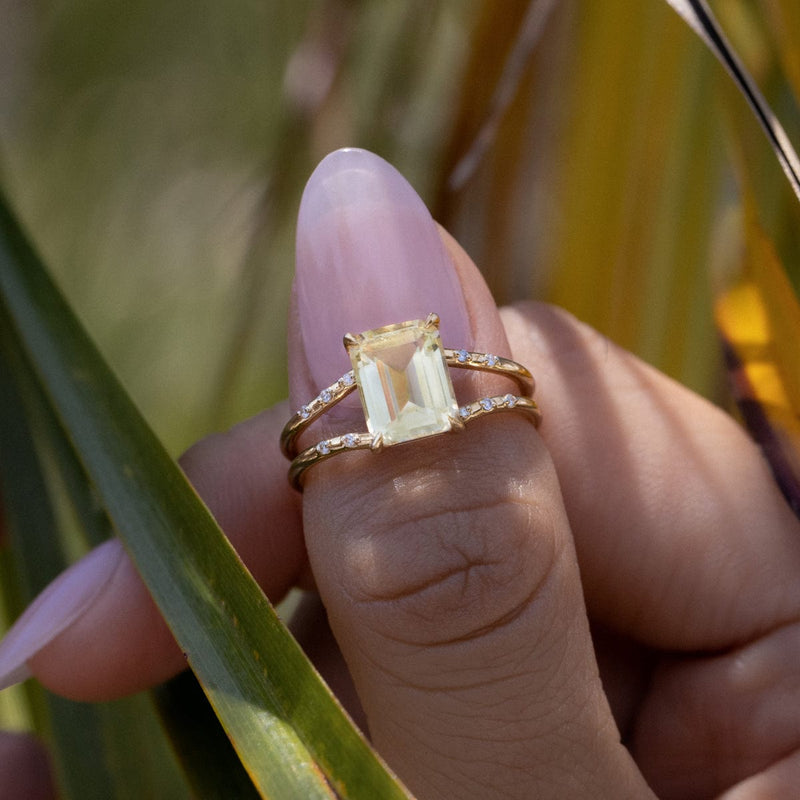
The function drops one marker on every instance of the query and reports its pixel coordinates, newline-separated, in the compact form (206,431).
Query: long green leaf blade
(284,723)
(74,730)
(95,748)
(210,763)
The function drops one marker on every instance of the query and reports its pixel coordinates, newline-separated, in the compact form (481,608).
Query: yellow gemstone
(403,381)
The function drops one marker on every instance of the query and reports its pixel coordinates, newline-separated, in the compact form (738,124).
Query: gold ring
(401,372)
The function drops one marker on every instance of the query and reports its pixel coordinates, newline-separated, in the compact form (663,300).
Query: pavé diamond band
(401,372)
(364,441)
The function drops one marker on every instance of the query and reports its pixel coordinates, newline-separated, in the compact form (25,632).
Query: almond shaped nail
(56,608)
(368,254)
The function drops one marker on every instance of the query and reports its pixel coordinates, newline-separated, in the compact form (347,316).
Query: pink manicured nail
(56,608)
(368,254)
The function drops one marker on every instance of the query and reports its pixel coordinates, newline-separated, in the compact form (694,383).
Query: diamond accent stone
(326,395)
(463,356)
(510,400)
(349,440)
(463,412)
(491,360)
(486,404)
(348,379)
(304,412)
(403,381)
(323,448)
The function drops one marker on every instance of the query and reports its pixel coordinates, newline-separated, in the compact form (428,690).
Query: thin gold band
(463,359)
(364,441)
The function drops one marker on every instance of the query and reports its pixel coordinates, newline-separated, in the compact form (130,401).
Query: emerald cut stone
(403,381)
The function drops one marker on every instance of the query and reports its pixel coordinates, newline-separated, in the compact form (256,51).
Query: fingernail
(368,255)
(55,609)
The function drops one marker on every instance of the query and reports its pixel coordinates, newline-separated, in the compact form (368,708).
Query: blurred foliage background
(591,154)
(580,151)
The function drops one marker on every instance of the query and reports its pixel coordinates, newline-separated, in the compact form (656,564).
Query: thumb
(446,564)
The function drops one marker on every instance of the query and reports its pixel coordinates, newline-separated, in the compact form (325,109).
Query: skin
(607,607)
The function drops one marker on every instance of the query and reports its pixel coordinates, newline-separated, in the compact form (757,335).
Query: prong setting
(432,322)
(402,375)
(351,340)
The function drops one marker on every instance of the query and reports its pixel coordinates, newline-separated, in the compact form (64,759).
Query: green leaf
(210,763)
(95,749)
(288,729)
(74,731)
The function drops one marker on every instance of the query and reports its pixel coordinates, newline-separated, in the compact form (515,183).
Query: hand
(474,582)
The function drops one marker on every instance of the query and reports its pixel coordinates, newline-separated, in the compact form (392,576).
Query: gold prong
(352,339)
(456,423)
(377,443)
(432,321)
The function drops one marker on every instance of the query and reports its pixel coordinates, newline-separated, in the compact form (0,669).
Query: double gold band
(401,373)
(347,383)
(364,441)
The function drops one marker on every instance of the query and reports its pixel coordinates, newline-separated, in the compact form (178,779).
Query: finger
(683,539)
(779,782)
(736,713)
(95,633)
(446,564)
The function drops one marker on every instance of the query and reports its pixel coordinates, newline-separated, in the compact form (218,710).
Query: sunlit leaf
(210,763)
(759,318)
(289,731)
(599,191)
(97,750)
(758,313)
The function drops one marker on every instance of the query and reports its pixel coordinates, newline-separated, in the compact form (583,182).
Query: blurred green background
(581,152)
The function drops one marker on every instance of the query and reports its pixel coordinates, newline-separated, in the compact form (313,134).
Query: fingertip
(113,640)
(57,608)
(118,645)
(368,255)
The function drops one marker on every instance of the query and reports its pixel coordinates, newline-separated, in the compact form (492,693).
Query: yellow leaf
(759,319)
